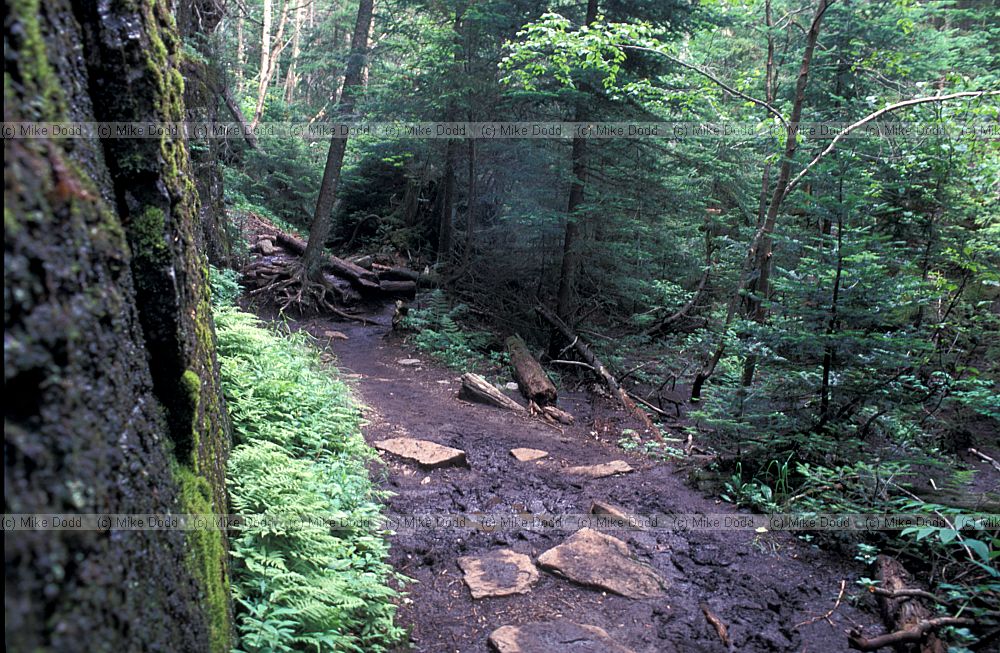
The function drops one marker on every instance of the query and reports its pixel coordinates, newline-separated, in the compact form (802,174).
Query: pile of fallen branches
(277,274)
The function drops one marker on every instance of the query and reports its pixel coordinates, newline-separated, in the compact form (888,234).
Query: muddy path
(770,590)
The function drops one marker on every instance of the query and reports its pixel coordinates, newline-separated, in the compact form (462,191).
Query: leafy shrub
(299,456)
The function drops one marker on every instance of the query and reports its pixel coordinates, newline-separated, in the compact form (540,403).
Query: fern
(440,334)
(299,454)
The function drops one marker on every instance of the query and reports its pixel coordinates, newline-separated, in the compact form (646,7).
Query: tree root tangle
(286,282)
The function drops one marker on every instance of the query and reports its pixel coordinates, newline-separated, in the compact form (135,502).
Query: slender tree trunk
(265,46)
(310,22)
(445,221)
(447,217)
(269,57)
(371,43)
(291,79)
(470,213)
(833,320)
(755,278)
(760,288)
(241,58)
(323,219)
(571,253)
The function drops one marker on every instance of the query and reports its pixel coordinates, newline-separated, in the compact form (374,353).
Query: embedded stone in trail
(560,636)
(592,558)
(409,361)
(608,510)
(423,452)
(526,455)
(602,470)
(498,573)
(336,335)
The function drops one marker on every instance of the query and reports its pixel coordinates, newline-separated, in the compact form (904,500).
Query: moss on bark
(113,392)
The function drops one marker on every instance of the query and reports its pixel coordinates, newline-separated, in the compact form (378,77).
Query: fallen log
(407,288)
(908,620)
(397,273)
(534,383)
(476,388)
(357,275)
(602,372)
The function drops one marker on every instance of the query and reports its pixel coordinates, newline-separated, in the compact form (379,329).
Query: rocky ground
(553,589)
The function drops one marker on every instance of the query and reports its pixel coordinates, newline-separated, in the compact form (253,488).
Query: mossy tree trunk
(109,342)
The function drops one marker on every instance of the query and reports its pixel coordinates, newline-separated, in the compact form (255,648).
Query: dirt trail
(759,586)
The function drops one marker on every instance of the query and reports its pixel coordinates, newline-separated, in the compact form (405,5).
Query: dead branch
(912,634)
(598,367)
(829,613)
(992,461)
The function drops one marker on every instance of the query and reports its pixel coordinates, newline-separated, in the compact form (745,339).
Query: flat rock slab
(498,573)
(423,452)
(526,455)
(602,470)
(592,558)
(554,637)
(409,361)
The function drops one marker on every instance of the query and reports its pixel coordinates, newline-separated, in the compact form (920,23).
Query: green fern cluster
(439,333)
(299,454)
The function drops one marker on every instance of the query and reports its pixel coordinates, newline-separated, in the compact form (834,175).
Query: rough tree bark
(113,390)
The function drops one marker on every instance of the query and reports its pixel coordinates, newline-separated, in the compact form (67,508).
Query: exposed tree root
(286,282)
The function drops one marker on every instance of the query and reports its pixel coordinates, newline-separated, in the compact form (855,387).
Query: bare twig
(829,613)
(907,593)
(992,461)
(718,82)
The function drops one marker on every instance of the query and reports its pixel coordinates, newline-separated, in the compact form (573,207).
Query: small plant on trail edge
(439,334)
(299,459)
(633,443)
(753,493)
